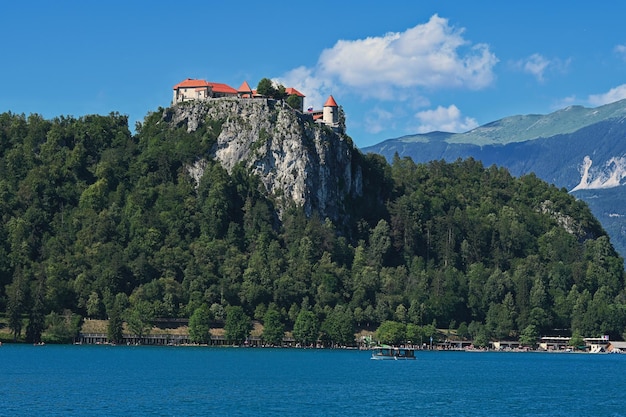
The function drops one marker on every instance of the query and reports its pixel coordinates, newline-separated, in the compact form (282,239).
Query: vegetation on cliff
(100,223)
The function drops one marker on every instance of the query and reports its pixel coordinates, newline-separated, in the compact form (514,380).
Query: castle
(193,89)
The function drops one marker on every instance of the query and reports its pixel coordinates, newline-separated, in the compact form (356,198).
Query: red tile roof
(222,88)
(191,83)
(244,88)
(292,91)
(330,102)
(216,87)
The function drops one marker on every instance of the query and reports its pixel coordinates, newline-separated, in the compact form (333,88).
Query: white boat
(392,353)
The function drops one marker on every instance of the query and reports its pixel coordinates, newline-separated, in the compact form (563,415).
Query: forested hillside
(100,223)
(581,149)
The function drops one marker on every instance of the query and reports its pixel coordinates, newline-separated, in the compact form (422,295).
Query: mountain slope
(575,148)
(520,128)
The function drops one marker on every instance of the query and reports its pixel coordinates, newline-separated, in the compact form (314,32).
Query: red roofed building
(329,115)
(293,92)
(331,112)
(222,90)
(191,89)
(290,91)
(244,90)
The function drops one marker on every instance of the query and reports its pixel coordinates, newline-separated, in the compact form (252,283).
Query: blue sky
(396,67)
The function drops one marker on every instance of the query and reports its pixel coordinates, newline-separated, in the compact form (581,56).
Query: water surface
(201,381)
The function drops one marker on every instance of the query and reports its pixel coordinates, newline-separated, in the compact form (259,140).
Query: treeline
(100,223)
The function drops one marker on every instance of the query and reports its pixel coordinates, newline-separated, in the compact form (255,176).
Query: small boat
(392,353)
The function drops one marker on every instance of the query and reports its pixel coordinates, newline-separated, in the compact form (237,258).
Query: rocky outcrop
(297,160)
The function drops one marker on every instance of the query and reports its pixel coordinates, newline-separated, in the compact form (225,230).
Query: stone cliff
(297,160)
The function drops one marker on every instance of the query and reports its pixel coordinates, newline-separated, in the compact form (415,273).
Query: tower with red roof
(331,112)
(244,90)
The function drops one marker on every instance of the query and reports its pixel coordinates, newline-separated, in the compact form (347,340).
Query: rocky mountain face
(298,161)
(580,149)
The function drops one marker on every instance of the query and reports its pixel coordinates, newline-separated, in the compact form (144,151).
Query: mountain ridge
(578,148)
(521,128)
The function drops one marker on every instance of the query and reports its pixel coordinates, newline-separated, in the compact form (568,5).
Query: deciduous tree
(306,329)
(238,325)
(391,332)
(273,328)
(200,325)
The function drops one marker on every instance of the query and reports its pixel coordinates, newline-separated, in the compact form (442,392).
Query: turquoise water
(200,381)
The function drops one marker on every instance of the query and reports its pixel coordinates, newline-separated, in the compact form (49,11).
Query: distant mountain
(581,149)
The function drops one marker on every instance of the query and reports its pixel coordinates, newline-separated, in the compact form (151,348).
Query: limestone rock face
(297,160)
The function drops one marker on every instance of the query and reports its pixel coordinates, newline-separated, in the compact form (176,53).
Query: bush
(62,328)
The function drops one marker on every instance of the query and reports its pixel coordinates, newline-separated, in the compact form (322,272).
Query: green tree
(576,341)
(295,101)
(36,318)
(62,328)
(115,326)
(430,331)
(306,329)
(238,325)
(115,313)
(391,332)
(401,313)
(259,311)
(462,331)
(414,334)
(273,328)
(266,87)
(139,318)
(17,293)
(380,243)
(218,311)
(280,93)
(338,327)
(529,336)
(500,319)
(200,325)
(481,339)
(94,305)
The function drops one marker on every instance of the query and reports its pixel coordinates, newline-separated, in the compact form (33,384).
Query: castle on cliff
(194,89)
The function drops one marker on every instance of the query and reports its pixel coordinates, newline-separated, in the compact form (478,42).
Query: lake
(202,381)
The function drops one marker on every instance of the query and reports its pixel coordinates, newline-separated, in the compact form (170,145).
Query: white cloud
(537,65)
(378,120)
(621,51)
(445,119)
(304,80)
(428,56)
(614,94)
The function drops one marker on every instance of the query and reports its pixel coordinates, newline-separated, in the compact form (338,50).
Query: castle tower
(331,112)
(244,90)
